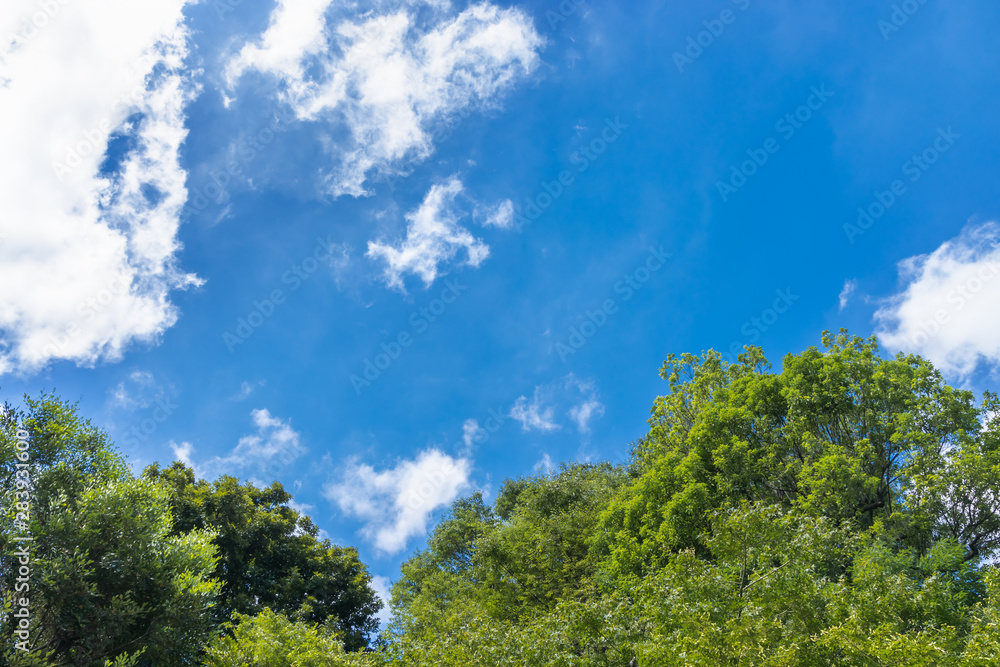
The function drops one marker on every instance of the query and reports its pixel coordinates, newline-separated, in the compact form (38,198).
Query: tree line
(843,510)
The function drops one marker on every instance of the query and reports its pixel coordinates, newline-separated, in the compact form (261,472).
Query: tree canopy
(108,579)
(270,556)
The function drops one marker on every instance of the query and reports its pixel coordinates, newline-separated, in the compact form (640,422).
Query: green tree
(493,569)
(787,589)
(273,640)
(539,552)
(844,434)
(108,581)
(270,556)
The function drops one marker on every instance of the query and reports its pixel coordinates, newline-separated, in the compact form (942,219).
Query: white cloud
(275,444)
(91,253)
(948,309)
(183,452)
(584,412)
(470,429)
(340,262)
(301,508)
(274,441)
(545,464)
(847,292)
(539,413)
(385,82)
(246,390)
(589,407)
(383,589)
(534,414)
(295,32)
(501,215)
(396,504)
(433,236)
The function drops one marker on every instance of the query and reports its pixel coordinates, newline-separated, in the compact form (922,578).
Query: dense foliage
(843,511)
(270,639)
(269,555)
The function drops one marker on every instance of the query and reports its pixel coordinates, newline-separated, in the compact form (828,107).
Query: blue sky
(393,253)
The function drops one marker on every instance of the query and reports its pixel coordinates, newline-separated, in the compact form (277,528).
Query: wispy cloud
(579,399)
(273,446)
(582,414)
(246,390)
(433,237)
(588,407)
(135,392)
(545,464)
(470,429)
(340,263)
(274,442)
(847,292)
(500,215)
(535,414)
(296,30)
